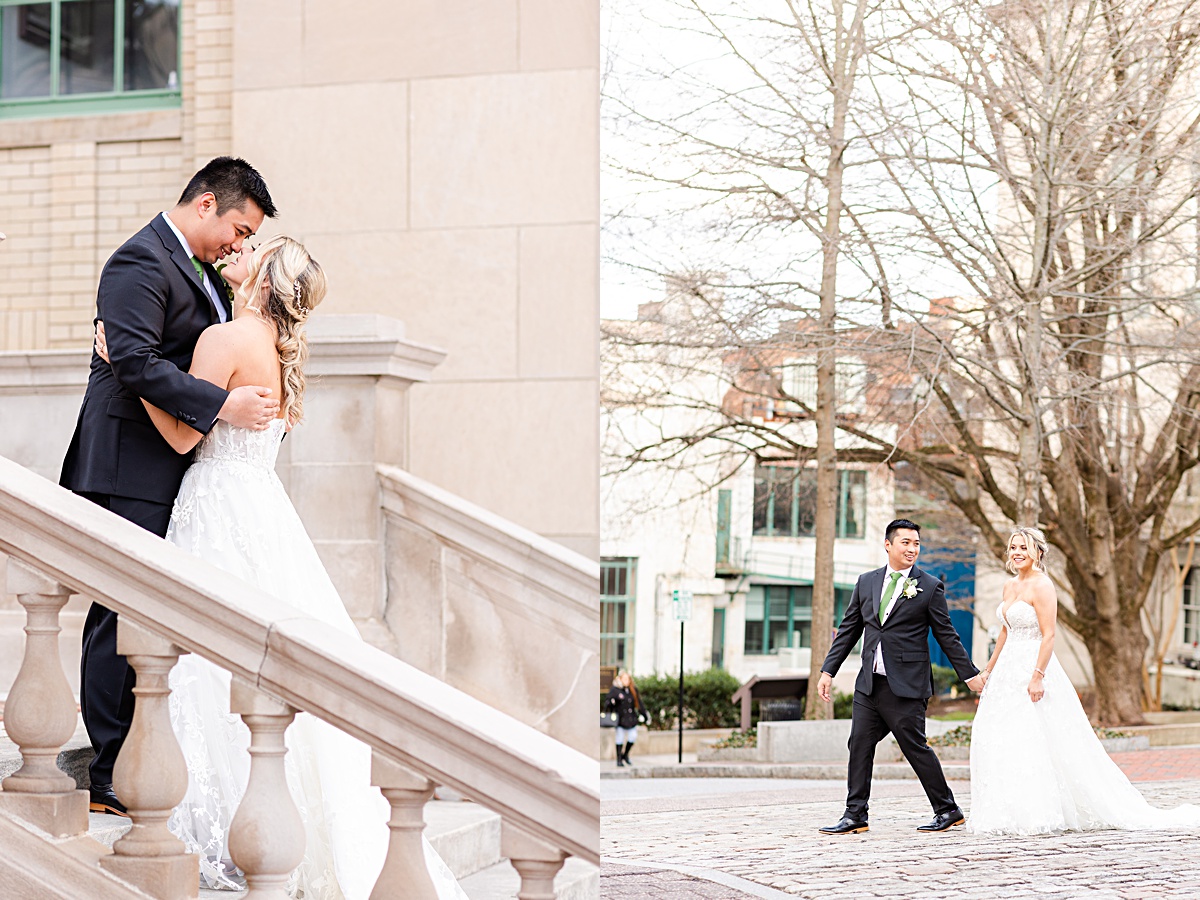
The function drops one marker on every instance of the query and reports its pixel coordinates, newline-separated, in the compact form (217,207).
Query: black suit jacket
(154,307)
(904,636)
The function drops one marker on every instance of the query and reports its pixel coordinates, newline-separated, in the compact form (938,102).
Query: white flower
(909,589)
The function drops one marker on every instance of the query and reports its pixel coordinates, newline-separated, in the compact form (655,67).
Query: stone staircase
(465,835)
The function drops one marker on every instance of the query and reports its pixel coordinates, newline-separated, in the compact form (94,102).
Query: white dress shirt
(879,667)
(212,292)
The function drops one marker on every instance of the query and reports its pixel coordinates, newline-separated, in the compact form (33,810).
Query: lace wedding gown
(232,510)
(1038,767)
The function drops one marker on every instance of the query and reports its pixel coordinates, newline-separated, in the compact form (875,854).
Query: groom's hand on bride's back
(249,406)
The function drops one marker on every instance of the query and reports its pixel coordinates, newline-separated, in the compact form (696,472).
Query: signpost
(681,601)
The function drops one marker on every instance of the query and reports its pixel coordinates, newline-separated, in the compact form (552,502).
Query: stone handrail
(545,790)
(460,577)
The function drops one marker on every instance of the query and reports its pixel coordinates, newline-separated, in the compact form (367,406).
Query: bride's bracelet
(1041,672)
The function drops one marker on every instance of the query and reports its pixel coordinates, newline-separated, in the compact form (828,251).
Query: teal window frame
(118,100)
(789,606)
(618,596)
(767,492)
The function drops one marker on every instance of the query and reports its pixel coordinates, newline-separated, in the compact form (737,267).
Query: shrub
(706,702)
(945,678)
(843,705)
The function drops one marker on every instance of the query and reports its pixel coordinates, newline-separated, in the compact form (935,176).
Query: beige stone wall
(441,160)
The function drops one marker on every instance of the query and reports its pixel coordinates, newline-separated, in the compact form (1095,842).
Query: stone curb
(814,771)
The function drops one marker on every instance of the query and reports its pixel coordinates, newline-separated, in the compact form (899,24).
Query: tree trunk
(1117,650)
(825,524)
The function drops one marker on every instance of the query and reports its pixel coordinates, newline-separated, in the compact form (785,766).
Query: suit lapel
(914,575)
(219,284)
(184,263)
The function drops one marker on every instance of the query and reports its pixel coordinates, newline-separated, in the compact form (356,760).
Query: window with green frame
(61,57)
(618,586)
(775,612)
(785,501)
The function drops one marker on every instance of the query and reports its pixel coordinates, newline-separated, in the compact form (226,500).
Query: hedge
(706,702)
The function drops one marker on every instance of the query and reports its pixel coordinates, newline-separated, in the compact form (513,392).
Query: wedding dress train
(232,511)
(1038,768)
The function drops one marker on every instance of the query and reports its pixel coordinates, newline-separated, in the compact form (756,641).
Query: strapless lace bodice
(1021,622)
(225,443)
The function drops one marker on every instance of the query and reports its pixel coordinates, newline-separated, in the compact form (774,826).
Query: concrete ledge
(1174,735)
(831,771)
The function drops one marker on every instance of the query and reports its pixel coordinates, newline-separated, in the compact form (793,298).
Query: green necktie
(199,268)
(887,595)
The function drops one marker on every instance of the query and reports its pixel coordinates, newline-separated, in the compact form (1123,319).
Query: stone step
(576,880)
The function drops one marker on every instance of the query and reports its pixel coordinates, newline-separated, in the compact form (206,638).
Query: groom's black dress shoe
(103,800)
(944,821)
(846,826)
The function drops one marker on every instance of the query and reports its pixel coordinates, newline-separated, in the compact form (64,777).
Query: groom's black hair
(897,525)
(232,181)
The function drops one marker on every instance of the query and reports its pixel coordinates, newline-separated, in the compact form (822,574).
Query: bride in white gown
(232,510)
(1036,764)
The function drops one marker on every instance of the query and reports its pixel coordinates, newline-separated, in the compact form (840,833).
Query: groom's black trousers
(105,679)
(876,714)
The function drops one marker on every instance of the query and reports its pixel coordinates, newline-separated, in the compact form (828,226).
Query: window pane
(151,44)
(754,637)
(854,504)
(781,521)
(754,604)
(779,635)
(86,61)
(806,503)
(779,602)
(25,51)
(762,493)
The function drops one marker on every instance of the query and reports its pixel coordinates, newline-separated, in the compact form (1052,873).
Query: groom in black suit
(157,293)
(893,609)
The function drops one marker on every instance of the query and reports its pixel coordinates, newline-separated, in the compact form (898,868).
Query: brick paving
(712,844)
(1162,764)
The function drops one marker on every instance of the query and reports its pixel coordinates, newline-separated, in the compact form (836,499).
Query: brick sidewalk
(776,849)
(1162,764)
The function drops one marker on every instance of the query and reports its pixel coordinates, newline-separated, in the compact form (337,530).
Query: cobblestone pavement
(730,845)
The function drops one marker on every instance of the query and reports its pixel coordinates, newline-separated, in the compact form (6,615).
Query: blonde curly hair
(288,285)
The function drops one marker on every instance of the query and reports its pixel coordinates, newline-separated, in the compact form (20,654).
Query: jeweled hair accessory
(302,311)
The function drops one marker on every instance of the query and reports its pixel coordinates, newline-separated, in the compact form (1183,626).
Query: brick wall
(73,189)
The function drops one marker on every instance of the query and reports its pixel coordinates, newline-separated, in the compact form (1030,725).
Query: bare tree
(768,143)
(1046,152)
(1036,161)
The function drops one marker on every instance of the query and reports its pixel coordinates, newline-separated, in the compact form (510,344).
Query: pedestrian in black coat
(623,698)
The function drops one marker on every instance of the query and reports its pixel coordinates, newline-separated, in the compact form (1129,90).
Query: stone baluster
(150,775)
(40,714)
(266,839)
(535,861)
(405,871)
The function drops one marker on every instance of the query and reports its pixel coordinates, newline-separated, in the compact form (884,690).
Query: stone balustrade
(461,578)
(422,731)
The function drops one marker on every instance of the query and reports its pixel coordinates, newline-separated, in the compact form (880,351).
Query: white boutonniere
(909,589)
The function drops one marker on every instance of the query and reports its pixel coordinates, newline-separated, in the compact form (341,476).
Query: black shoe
(944,821)
(103,800)
(846,826)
